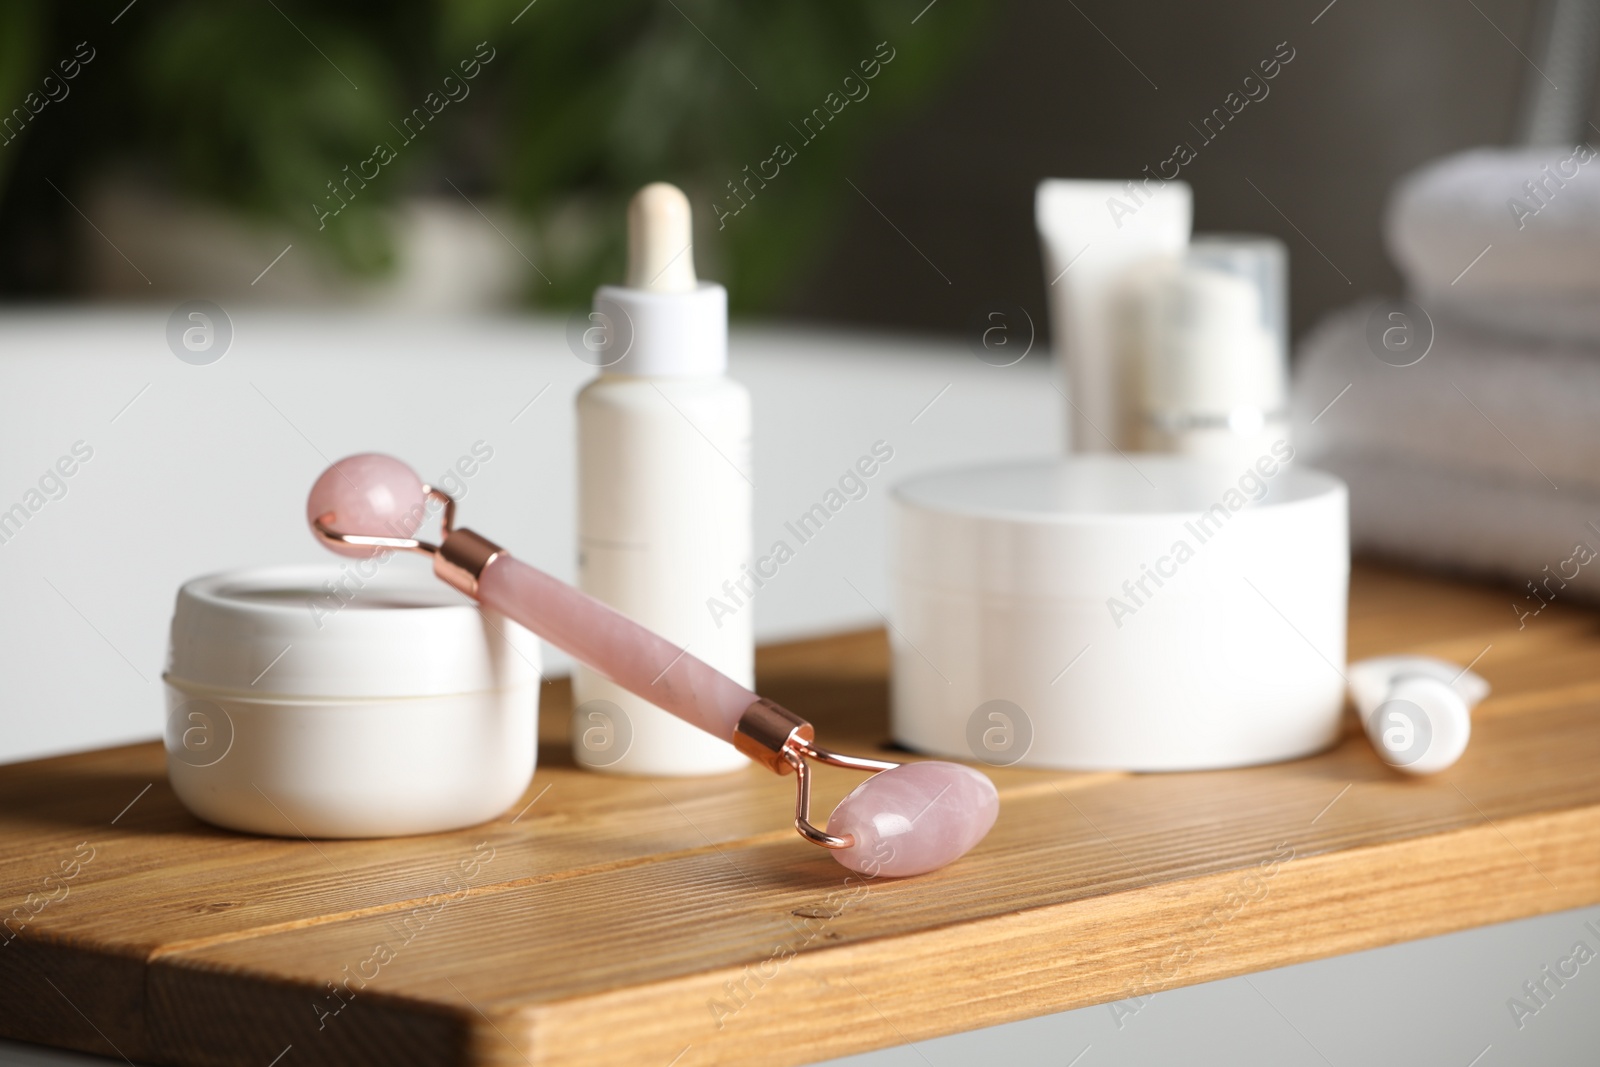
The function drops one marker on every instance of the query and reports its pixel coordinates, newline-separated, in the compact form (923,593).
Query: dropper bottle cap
(663,323)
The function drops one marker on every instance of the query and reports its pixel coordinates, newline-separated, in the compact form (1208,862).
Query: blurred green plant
(245,111)
(260,104)
(19,60)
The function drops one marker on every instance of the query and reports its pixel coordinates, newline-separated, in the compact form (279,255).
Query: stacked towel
(1484,456)
(1508,410)
(1545,545)
(1505,239)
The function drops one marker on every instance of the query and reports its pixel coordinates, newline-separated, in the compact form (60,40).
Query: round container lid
(363,629)
(1077,527)
(1105,488)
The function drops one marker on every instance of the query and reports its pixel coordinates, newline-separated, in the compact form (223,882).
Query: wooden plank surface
(634,921)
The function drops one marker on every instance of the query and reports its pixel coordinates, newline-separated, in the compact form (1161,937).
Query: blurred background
(203,138)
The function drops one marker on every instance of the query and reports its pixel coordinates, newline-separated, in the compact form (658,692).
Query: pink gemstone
(914,819)
(368,494)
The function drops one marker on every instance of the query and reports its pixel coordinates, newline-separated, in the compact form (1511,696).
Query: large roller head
(914,818)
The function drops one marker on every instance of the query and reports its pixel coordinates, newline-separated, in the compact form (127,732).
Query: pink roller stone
(370,494)
(914,819)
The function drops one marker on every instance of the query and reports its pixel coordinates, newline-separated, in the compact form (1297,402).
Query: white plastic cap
(389,631)
(1215,354)
(664,335)
(1264,261)
(1208,351)
(663,323)
(1216,333)
(1416,709)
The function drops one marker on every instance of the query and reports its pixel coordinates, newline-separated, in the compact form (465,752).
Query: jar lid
(361,629)
(1076,527)
(1096,488)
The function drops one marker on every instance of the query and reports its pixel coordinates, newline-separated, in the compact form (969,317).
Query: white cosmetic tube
(1103,242)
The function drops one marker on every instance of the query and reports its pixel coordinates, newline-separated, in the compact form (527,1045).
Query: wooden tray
(657,922)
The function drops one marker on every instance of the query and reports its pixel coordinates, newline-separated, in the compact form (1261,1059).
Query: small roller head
(370,494)
(914,818)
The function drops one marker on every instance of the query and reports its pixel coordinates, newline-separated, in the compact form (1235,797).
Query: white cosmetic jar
(1107,612)
(394,706)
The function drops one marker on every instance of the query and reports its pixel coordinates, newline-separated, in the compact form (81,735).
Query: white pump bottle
(664,490)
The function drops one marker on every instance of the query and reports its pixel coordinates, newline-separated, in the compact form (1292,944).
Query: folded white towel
(1507,239)
(1545,543)
(1516,412)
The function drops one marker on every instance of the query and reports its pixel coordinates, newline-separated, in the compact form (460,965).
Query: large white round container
(1146,612)
(394,706)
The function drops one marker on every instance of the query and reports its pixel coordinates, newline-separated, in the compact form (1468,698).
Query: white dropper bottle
(664,491)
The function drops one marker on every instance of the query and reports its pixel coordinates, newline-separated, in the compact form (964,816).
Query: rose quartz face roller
(907,819)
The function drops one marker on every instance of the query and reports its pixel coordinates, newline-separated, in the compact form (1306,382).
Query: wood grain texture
(627,921)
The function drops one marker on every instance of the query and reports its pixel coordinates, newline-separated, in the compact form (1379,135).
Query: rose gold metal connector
(782,741)
(460,557)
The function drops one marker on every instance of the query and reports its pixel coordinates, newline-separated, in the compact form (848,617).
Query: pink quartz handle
(642,662)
